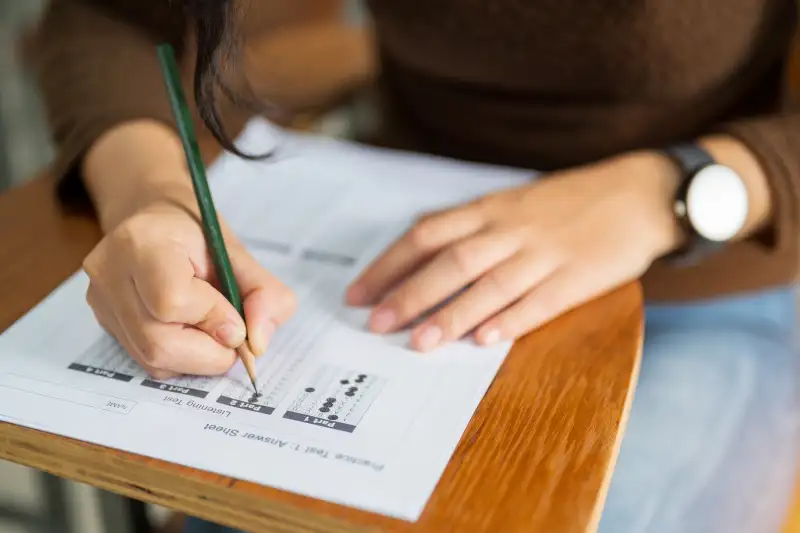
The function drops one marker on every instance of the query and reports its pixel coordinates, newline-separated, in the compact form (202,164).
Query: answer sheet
(343,415)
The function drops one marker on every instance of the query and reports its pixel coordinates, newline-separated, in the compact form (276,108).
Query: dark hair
(213,22)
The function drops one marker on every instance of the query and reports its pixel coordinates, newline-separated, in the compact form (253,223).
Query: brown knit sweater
(543,84)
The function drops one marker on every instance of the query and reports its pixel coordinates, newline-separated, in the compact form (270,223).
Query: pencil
(208,214)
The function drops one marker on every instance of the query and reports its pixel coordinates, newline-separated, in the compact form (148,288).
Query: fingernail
(231,335)
(430,337)
(492,336)
(260,337)
(382,320)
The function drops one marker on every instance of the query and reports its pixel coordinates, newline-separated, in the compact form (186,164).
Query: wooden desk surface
(537,455)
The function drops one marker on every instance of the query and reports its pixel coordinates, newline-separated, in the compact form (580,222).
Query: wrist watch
(710,205)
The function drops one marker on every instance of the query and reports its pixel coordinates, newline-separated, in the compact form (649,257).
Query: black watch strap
(690,159)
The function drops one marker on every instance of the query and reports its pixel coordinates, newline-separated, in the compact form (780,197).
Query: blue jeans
(712,440)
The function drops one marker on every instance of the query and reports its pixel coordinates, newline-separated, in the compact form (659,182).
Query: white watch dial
(717,203)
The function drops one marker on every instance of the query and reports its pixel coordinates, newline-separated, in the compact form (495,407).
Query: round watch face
(716,203)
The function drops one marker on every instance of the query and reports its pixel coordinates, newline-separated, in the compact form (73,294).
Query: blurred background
(30,501)
(24,143)
(25,150)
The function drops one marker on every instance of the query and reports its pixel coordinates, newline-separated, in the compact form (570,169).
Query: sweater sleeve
(761,260)
(775,141)
(772,133)
(96,67)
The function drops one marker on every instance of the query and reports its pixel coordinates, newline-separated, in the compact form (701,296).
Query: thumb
(268,303)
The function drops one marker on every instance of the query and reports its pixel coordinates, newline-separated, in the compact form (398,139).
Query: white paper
(314,214)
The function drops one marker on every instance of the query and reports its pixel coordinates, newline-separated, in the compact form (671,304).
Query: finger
(181,350)
(493,292)
(280,302)
(557,294)
(260,325)
(268,303)
(451,270)
(124,340)
(108,321)
(170,346)
(167,287)
(418,245)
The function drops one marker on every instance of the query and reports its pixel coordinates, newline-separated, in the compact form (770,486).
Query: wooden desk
(537,455)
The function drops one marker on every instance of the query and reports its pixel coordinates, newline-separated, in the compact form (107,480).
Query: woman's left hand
(512,261)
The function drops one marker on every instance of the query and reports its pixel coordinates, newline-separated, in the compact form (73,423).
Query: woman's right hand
(152,287)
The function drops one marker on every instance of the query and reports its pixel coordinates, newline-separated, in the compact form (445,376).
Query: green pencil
(210,222)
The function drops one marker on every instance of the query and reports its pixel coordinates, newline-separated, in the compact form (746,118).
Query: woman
(670,156)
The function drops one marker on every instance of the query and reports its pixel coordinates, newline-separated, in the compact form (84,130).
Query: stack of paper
(344,415)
